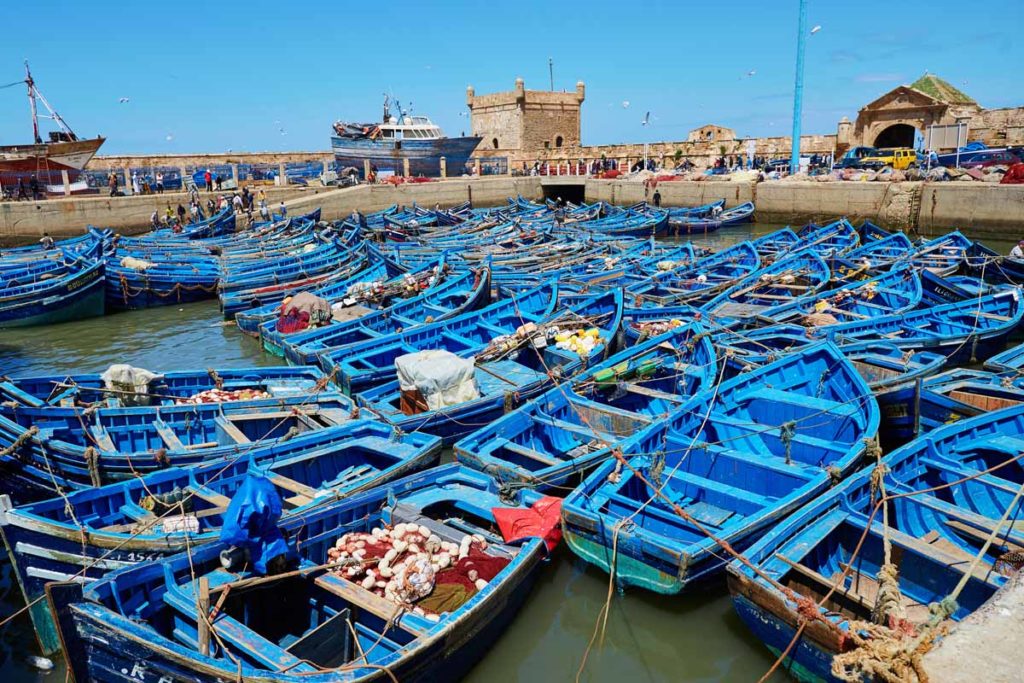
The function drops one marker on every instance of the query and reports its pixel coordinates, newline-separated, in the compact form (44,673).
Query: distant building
(932,108)
(525,121)
(711,133)
(533,125)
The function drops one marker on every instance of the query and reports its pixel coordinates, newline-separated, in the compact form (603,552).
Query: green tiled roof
(941,90)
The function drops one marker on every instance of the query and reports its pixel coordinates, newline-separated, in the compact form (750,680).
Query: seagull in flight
(124,100)
(815,29)
(647,119)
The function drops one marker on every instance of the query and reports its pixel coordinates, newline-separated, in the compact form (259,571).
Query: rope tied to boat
(92,463)
(835,475)
(218,381)
(22,439)
(787,430)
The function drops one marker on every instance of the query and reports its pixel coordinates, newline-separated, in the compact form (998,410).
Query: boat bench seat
(720,487)
(999,443)
(575,428)
(230,630)
(822,405)
(526,452)
(360,598)
(771,463)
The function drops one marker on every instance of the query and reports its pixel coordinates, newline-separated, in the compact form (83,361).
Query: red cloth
(612,173)
(486,566)
(293,321)
(1014,175)
(539,521)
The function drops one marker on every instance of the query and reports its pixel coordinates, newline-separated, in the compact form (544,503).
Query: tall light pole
(798,89)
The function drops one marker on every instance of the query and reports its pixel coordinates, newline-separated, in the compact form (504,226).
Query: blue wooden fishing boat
(80,244)
(1010,360)
(984,262)
(313,625)
(869,232)
(676,214)
(873,256)
(574,426)
(144,281)
(776,242)
(792,277)
(943,255)
(694,283)
(835,239)
(895,291)
(340,266)
(88,533)
(725,466)
(953,396)
(940,289)
(507,373)
(742,213)
(72,290)
(166,388)
(364,268)
(53,447)
(824,568)
(362,320)
(357,367)
(969,331)
(630,223)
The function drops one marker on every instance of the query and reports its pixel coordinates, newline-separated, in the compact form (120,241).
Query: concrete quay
(26,221)
(997,210)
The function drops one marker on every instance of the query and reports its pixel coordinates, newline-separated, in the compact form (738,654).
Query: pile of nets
(656,327)
(224,395)
(409,565)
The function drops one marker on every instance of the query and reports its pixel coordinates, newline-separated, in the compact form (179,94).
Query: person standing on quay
(181,214)
(135,183)
(657,199)
(159,183)
(208,178)
(112,183)
(283,209)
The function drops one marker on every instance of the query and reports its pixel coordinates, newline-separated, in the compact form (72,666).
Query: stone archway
(896,135)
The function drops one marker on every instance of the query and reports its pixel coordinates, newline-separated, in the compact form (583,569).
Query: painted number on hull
(138,673)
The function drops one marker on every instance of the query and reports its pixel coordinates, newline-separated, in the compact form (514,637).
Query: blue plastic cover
(251,521)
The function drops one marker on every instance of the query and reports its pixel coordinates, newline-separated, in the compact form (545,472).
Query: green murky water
(696,637)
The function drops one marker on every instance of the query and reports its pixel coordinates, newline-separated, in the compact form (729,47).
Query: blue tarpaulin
(251,521)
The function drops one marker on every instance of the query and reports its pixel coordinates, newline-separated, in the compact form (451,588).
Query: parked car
(990,158)
(900,158)
(853,156)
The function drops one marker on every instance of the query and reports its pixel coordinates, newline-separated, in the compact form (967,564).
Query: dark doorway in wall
(897,135)
(570,193)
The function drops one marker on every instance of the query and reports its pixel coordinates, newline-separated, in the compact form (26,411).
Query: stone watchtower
(525,124)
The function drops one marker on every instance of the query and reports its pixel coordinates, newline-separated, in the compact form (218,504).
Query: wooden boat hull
(43,550)
(80,296)
(100,642)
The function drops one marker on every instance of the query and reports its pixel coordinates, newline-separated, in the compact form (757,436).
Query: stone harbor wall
(994,209)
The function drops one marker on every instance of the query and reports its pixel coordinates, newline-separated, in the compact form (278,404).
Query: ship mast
(32,103)
(33,93)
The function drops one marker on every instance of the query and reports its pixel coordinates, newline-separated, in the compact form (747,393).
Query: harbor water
(696,637)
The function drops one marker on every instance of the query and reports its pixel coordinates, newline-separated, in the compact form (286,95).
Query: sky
(273,76)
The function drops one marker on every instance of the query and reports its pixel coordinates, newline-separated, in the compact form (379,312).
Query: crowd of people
(250,205)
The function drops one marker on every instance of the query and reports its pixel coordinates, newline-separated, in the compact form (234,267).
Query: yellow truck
(901,158)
